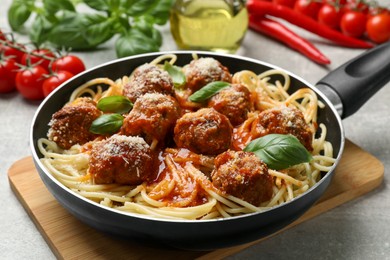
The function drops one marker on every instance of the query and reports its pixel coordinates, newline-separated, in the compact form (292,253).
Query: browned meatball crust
(205,131)
(152,117)
(148,78)
(243,175)
(122,159)
(233,102)
(284,120)
(202,71)
(70,125)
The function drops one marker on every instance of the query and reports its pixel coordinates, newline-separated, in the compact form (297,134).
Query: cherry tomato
(356,5)
(70,63)
(378,27)
(289,3)
(353,23)
(55,80)
(29,82)
(44,62)
(16,53)
(308,8)
(8,70)
(330,16)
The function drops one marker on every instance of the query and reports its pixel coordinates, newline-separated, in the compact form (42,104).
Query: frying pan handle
(358,79)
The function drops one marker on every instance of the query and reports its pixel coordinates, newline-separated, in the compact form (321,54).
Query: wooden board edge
(317,209)
(26,207)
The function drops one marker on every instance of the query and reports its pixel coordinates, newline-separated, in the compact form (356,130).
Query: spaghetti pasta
(183,188)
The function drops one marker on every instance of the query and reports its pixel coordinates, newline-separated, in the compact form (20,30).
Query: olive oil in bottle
(214,25)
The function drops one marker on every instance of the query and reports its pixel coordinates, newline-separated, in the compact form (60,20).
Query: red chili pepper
(262,8)
(280,32)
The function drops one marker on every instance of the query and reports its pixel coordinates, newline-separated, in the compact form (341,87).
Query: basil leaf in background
(100,5)
(208,91)
(145,25)
(40,30)
(134,42)
(68,32)
(279,151)
(63,24)
(140,7)
(160,12)
(178,77)
(98,29)
(106,124)
(53,6)
(115,104)
(80,31)
(156,36)
(18,13)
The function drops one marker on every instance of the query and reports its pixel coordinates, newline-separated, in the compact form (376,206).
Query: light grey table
(359,229)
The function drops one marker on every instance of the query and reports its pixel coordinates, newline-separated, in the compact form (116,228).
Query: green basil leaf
(115,104)
(134,42)
(145,25)
(106,124)
(53,6)
(157,37)
(98,29)
(140,7)
(68,32)
(178,77)
(208,91)
(279,151)
(18,14)
(80,31)
(100,5)
(160,12)
(40,29)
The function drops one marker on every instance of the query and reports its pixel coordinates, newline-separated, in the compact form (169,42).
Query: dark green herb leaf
(157,37)
(115,104)
(61,23)
(53,6)
(140,7)
(160,12)
(100,5)
(40,29)
(115,4)
(176,73)
(279,151)
(106,124)
(18,13)
(208,91)
(134,42)
(145,25)
(80,31)
(98,29)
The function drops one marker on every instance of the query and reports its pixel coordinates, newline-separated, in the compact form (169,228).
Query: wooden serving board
(358,173)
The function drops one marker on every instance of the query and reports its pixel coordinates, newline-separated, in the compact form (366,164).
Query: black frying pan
(343,91)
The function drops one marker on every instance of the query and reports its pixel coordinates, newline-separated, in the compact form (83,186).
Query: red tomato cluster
(354,18)
(34,73)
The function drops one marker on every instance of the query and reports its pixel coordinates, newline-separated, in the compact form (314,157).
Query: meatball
(70,125)
(148,78)
(243,175)
(205,131)
(283,120)
(122,159)
(233,102)
(152,117)
(202,71)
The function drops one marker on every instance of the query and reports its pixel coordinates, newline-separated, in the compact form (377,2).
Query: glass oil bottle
(212,25)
